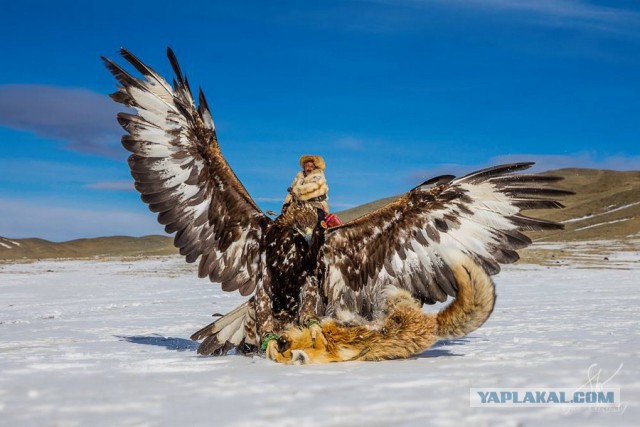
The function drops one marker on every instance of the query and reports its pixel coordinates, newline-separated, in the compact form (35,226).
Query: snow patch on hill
(603,223)
(605,212)
(9,244)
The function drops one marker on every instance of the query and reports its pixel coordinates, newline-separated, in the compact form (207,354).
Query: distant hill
(358,211)
(606,206)
(84,248)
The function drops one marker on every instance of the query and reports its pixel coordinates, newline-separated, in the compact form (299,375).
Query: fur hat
(317,160)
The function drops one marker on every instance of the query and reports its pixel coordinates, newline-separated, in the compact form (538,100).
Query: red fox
(404,331)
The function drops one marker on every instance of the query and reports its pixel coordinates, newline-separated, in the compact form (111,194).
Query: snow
(105,342)
(605,212)
(603,223)
(5,245)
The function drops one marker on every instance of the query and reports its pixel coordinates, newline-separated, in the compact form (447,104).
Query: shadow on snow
(181,344)
(170,343)
(436,351)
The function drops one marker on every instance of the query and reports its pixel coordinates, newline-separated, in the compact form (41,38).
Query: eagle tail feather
(235,329)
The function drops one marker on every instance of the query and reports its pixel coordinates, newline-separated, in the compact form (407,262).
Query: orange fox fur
(405,330)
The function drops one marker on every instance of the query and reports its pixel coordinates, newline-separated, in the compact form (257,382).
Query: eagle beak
(308,234)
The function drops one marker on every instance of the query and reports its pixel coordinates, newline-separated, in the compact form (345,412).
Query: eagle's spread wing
(182,175)
(413,242)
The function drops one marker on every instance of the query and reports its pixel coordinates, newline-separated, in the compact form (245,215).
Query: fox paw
(277,348)
(299,357)
(317,337)
(288,357)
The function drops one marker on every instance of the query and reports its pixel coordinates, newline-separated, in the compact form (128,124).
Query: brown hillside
(606,207)
(83,248)
(353,213)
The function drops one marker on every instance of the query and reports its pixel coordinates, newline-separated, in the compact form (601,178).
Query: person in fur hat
(310,185)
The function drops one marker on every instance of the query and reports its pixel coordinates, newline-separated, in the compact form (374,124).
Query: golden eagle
(297,272)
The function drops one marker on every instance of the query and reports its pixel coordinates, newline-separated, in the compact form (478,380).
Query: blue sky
(390,92)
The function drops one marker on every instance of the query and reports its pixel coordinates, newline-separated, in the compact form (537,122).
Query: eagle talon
(271,351)
(267,339)
(316,332)
(283,344)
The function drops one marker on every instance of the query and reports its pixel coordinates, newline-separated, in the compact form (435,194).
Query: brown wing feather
(182,175)
(414,241)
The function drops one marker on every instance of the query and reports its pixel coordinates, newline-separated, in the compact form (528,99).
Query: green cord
(269,337)
(313,322)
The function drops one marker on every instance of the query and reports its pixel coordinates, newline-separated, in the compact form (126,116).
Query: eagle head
(302,218)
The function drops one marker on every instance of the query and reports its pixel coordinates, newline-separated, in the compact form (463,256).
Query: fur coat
(310,186)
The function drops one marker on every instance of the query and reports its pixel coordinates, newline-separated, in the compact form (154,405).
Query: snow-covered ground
(106,343)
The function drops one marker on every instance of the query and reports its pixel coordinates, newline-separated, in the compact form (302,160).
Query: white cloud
(543,162)
(570,8)
(577,160)
(124,185)
(342,205)
(564,13)
(271,199)
(84,119)
(557,13)
(349,143)
(20,219)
